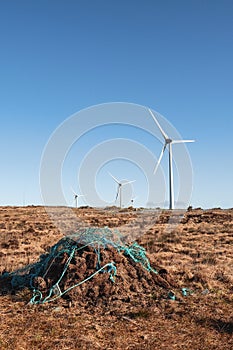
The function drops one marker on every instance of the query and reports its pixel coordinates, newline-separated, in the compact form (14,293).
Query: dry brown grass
(197,253)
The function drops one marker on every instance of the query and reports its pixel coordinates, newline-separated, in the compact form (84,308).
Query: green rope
(138,254)
(111,268)
(95,238)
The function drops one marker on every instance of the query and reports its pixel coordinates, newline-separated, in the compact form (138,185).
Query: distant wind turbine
(76,197)
(119,188)
(133,200)
(168,142)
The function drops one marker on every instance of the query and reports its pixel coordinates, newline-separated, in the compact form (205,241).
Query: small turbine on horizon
(133,200)
(119,188)
(168,142)
(76,197)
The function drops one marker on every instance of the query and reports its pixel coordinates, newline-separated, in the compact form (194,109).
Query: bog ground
(196,254)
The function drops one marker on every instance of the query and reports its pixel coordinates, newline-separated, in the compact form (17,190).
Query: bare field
(196,254)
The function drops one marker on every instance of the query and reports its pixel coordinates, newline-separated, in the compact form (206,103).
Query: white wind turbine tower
(119,188)
(76,197)
(168,142)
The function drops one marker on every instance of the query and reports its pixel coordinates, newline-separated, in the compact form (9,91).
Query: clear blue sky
(58,57)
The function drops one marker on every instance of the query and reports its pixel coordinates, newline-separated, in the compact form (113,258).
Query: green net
(63,255)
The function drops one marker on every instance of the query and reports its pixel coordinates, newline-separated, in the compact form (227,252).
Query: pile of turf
(92,267)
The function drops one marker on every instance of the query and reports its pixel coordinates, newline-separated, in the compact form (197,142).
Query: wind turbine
(119,188)
(168,142)
(133,200)
(76,197)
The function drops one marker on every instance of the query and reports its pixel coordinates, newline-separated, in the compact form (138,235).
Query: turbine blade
(128,182)
(160,158)
(114,178)
(81,195)
(182,141)
(118,189)
(73,191)
(159,126)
